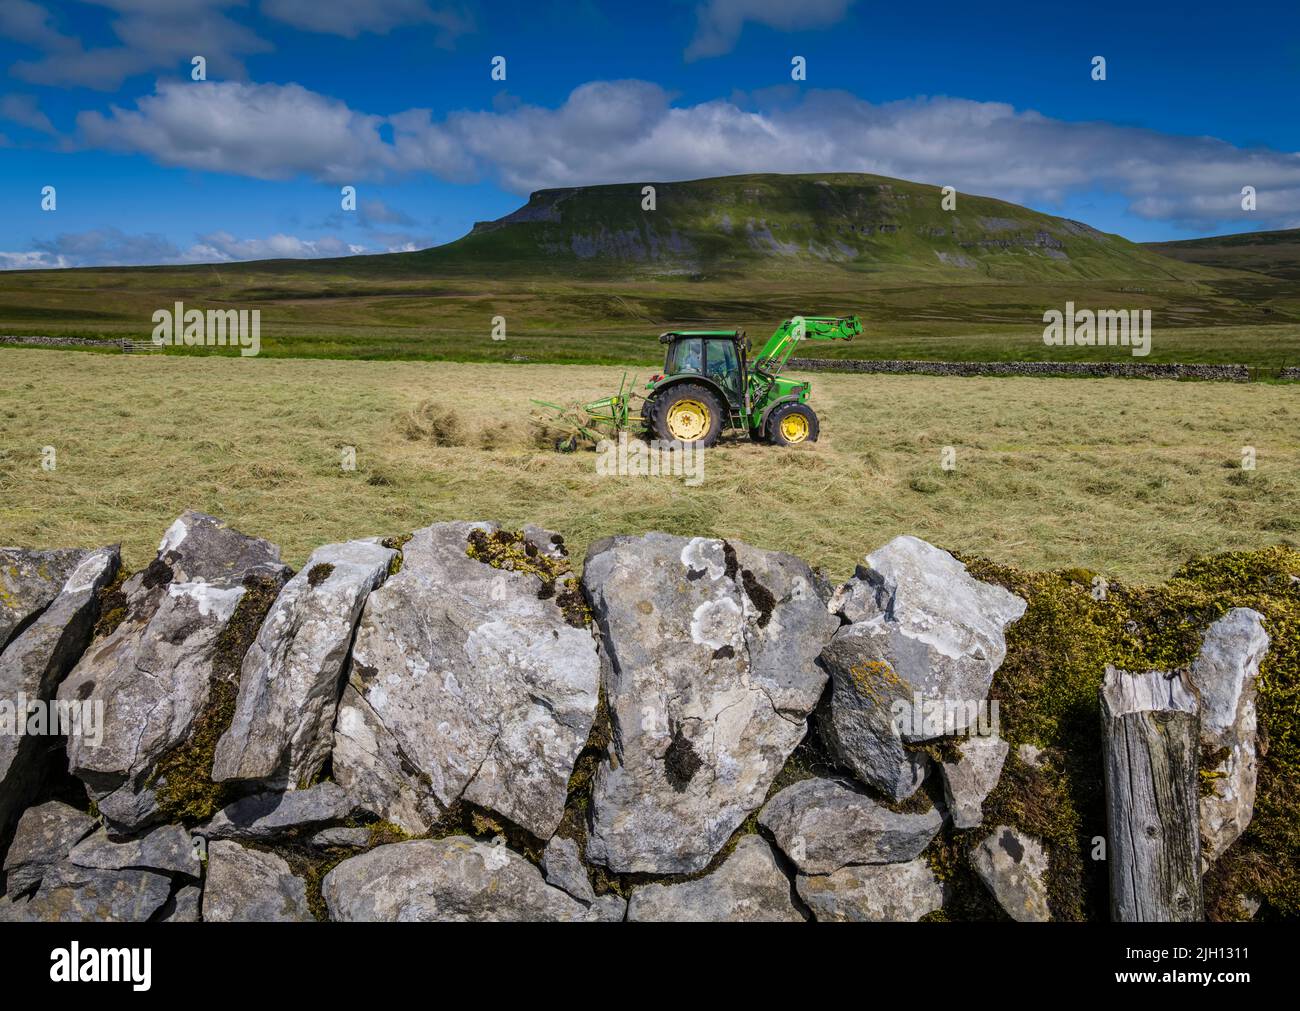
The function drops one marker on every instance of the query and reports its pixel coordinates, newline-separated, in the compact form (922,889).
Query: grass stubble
(1125,477)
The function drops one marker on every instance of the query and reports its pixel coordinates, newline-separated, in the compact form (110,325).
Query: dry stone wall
(457,725)
(1093,370)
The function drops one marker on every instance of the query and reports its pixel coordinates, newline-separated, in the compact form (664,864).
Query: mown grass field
(1128,478)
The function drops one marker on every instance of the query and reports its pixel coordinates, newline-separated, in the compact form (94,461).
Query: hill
(761,224)
(585,275)
(1276,254)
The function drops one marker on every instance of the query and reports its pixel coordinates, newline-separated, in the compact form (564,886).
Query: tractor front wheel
(791,424)
(686,413)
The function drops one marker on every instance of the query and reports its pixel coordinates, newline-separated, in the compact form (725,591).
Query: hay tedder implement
(710,384)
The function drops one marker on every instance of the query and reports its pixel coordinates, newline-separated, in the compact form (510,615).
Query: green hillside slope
(1276,254)
(791,223)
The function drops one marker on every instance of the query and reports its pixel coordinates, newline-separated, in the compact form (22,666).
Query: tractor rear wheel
(791,424)
(686,413)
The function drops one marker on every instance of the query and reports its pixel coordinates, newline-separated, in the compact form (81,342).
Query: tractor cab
(715,356)
(704,387)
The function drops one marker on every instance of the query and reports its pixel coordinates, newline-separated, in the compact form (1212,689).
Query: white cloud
(30,24)
(24,110)
(106,245)
(629,131)
(374,212)
(268,131)
(154,35)
(350,18)
(34,260)
(720,22)
(113,247)
(164,35)
(222,246)
(621,131)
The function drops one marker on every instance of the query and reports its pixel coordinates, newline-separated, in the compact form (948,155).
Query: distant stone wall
(1094,370)
(1100,370)
(54,342)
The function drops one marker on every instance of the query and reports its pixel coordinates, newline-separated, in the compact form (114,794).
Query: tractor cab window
(723,368)
(686,356)
(722,359)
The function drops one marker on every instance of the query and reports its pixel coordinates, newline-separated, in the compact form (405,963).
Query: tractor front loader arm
(771,359)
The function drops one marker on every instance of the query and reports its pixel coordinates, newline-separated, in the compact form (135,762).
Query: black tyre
(686,413)
(791,424)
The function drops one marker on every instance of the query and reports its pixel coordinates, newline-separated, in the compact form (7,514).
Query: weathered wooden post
(1150,730)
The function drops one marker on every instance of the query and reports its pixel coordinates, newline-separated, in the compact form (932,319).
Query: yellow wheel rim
(688,420)
(794,428)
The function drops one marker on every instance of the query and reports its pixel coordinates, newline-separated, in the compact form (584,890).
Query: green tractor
(711,384)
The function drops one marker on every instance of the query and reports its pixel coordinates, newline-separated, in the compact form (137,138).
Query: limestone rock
(484,689)
(369,764)
(873,892)
(244,885)
(563,868)
(29,581)
(608,908)
(201,548)
(342,837)
(154,673)
(292,674)
(711,675)
(36,660)
(824,824)
(167,849)
(916,661)
(1224,678)
(268,815)
(748,887)
(71,894)
(972,777)
(455,878)
(44,836)
(185,906)
(858,726)
(1014,867)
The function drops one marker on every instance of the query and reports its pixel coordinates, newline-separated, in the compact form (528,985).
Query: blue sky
(396,98)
